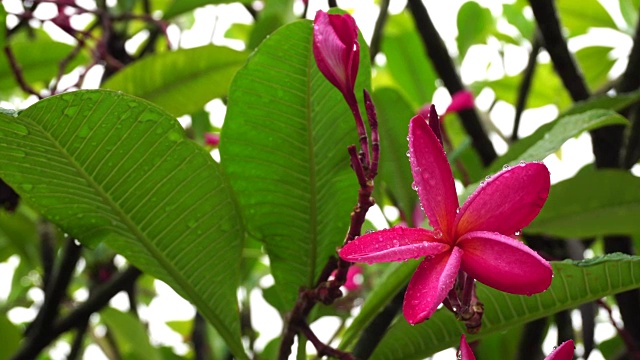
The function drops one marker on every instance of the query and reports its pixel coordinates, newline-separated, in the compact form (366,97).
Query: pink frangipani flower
(336,50)
(563,352)
(478,238)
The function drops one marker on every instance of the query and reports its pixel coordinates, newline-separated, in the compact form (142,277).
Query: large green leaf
(407,60)
(579,16)
(574,283)
(550,137)
(284,148)
(592,203)
(181,81)
(394,113)
(39,60)
(105,166)
(475,23)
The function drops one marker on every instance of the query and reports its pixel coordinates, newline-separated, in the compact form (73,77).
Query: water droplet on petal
(506,167)
(522,162)
(518,233)
(369,231)
(408,153)
(487,178)
(458,210)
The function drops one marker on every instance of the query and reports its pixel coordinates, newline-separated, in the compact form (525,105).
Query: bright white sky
(169,306)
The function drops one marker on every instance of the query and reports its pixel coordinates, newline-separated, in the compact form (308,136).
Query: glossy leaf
(407,61)
(574,283)
(284,150)
(475,23)
(550,137)
(190,77)
(394,175)
(109,167)
(603,202)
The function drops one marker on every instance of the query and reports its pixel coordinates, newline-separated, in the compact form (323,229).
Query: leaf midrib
(313,200)
(167,266)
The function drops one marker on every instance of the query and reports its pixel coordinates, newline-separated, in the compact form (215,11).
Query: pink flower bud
(212,139)
(336,50)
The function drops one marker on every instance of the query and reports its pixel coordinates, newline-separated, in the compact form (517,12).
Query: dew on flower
(506,167)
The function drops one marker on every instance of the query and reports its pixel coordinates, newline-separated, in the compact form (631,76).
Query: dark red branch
(442,63)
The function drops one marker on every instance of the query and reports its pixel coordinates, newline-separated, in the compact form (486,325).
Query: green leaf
(574,283)
(616,103)
(39,60)
(595,64)
(18,234)
(550,137)
(603,202)
(284,146)
(177,7)
(475,24)
(407,60)
(395,278)
(394,113)
(181,81)
(11,337)
(515,16)
(130,335)
(108,167)
(629,10)
(579,16)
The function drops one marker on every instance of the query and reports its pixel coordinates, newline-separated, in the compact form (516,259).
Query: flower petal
(336,49)
(507,202)
(430,285)
(504,263)
(465,350)
(432,177)
(395,244)
(562,352)
(462,100)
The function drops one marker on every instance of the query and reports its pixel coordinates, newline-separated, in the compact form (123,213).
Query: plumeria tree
(248,172)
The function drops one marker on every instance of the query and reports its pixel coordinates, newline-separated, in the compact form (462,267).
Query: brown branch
(374,48)
(525,84)
(442,63)
(549,25)
(16,69)
(100,298)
